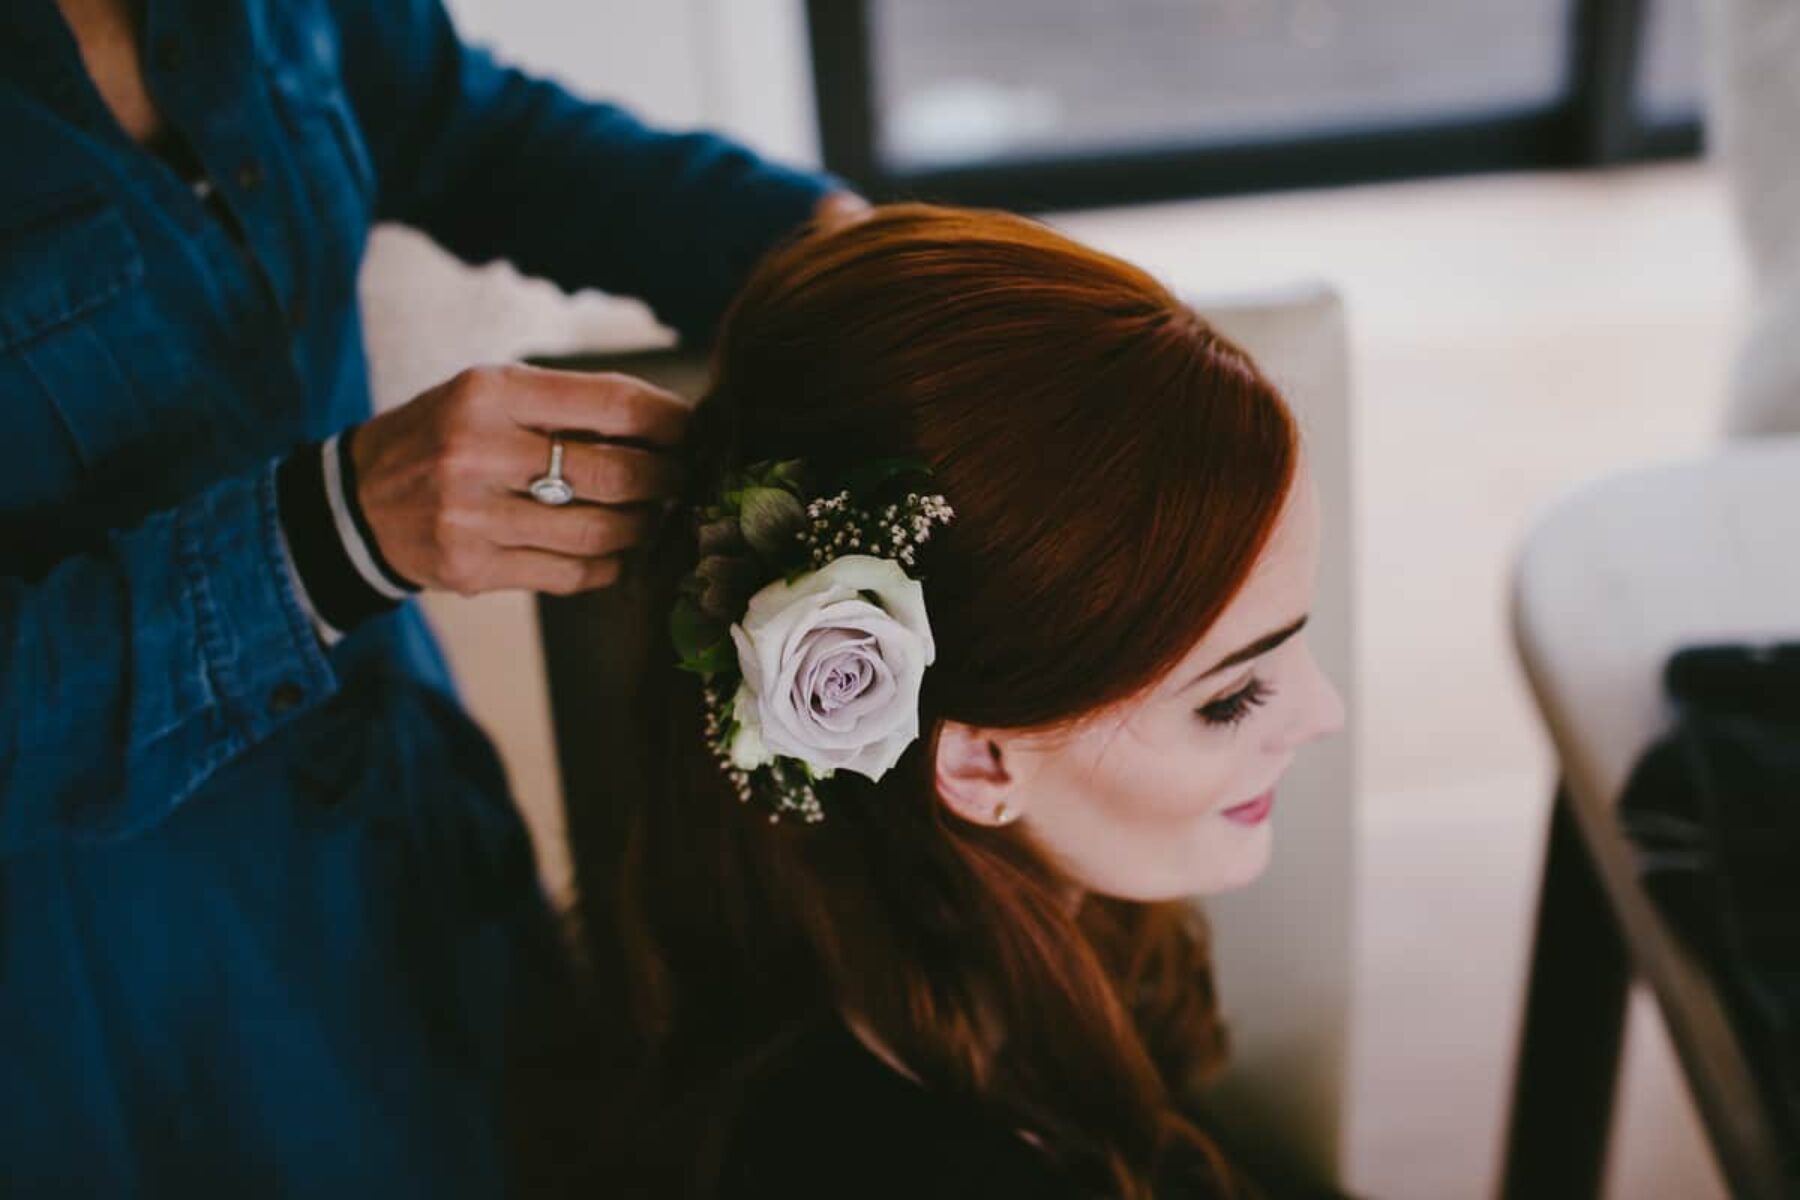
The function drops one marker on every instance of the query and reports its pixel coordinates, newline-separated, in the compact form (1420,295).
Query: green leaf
(714,660)
(693,632)
(868,477)
(790,475)
(771,519)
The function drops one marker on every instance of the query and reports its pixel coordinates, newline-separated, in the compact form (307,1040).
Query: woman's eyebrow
(1256,649)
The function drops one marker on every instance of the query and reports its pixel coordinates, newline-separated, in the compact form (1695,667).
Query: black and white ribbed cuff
(339,571)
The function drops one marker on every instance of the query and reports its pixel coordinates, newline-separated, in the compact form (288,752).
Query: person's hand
(442,479)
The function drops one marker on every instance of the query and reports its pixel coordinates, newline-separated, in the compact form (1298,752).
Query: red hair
(1116,466)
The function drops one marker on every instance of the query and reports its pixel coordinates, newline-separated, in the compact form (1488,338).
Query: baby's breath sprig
(785,786)
(836,527)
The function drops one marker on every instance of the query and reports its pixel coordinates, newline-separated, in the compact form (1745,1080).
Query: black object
(1574,1027)
(1713,810)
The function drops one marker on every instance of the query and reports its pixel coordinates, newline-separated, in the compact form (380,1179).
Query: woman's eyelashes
(1232,709)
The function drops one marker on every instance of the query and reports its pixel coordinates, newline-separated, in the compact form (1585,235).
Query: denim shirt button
(285,698)
(250,174)
(297,316)
(168,55)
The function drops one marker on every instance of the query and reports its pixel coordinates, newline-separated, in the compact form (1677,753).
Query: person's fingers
(558,574)
(606,474)
(603,403)
(840,208)
(503,569)
(440,479)
(579,530)
(600,472)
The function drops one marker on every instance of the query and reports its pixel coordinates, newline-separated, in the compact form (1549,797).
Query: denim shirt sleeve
(495,164)
(134,671)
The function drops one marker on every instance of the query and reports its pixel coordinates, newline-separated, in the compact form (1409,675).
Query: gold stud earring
(1002,814)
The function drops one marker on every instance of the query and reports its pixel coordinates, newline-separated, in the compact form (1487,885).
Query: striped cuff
(328,633)
(339,573)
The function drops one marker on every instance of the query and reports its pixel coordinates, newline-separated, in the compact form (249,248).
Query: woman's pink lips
(1253,812)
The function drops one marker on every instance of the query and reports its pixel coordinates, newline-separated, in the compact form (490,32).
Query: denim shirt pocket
(70,261)
(328,141)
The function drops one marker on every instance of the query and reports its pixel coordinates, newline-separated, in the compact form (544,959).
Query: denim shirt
(269,924)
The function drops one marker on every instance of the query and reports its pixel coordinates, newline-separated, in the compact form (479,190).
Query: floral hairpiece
(808,628)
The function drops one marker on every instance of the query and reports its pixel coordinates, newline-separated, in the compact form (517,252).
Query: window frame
(1597,122)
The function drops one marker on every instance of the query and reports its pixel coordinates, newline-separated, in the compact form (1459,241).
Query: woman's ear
(972,778)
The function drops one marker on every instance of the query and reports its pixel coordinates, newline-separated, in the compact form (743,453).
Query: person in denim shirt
(269,923)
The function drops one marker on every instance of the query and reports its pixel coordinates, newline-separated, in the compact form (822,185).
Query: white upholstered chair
(1284,945)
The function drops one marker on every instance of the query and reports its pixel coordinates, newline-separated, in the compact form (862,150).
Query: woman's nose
(1332,713)
(1322,711)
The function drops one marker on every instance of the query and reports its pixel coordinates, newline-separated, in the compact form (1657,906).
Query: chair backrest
(1283,945)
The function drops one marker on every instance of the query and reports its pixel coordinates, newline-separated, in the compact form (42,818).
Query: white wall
(740,66)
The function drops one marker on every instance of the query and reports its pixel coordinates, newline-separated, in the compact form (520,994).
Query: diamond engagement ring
(550,487)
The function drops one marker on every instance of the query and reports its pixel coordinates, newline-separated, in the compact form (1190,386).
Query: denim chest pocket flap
(62,261)
(304,67)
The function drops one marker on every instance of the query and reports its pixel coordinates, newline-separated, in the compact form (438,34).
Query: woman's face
(1172,793)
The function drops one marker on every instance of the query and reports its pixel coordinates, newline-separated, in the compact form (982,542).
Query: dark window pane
(1670,84)
(966,81)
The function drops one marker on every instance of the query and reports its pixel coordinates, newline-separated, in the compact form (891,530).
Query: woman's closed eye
(1232,709)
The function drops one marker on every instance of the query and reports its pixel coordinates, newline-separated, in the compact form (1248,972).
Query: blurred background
(1532,233)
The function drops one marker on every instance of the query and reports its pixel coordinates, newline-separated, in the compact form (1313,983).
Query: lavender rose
(832,665)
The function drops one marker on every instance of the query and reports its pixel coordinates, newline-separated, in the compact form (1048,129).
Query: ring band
(550,487)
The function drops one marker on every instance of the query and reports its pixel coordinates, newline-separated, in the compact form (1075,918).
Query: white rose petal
(832,677)
(747,749)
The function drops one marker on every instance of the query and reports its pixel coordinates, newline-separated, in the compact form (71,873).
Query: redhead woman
(990,654)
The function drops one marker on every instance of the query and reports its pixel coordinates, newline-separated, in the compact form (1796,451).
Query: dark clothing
(825,1117)
(1714,810)
(268,920)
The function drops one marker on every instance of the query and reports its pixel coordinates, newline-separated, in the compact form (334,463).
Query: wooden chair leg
(1568,1060)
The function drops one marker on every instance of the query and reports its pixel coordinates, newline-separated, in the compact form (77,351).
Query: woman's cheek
(1174,768)
(1185,783)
